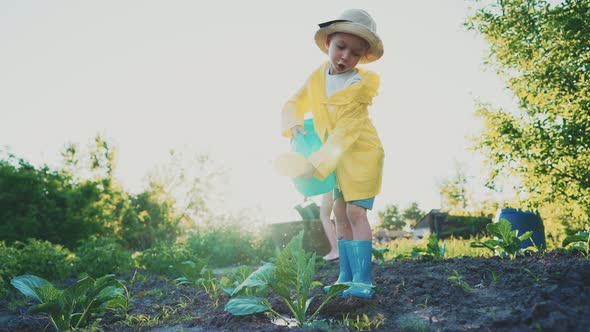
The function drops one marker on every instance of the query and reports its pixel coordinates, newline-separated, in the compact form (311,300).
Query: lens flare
(290,164)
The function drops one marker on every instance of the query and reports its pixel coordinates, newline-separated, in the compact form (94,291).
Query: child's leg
(359,252)
(329,228)
(344,232)
(343,227)
(357,216)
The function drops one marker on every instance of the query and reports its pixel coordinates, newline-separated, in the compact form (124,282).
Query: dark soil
(546,292)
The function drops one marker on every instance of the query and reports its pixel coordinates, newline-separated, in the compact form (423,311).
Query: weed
(362,323)
(536,277)
(457,281)
(425,304)
(495,278)
(379,255)
(141,321)
(156,293)
(432,250)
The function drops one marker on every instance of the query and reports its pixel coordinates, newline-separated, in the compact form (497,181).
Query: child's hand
(297,129)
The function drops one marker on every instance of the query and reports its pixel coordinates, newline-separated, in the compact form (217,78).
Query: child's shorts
(366,203)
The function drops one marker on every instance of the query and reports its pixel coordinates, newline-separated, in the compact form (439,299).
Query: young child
(338,95)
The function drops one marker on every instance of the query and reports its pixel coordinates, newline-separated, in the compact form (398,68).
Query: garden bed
(549,292)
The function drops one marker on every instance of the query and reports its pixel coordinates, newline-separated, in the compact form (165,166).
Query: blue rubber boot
(345,272)
(359,256)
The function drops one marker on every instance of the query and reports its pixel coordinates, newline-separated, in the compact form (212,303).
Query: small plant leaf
(262,277)
(316,283)
(243,305)
(336,289)
(50,308)
(74,293)
(574,239)
(35,287)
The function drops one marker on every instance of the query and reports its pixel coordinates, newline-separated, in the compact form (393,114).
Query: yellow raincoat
(351,144)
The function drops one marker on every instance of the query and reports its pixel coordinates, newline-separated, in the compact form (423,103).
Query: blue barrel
(525,221)
(306,145)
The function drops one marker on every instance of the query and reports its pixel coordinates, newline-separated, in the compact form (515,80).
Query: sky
(212,76)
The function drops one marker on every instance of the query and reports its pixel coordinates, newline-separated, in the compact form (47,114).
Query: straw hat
(356,22)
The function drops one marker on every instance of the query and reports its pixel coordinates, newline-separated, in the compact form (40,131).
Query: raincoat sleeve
(294,110)
(346,131)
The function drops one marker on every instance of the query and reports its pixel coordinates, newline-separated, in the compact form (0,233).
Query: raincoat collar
(362,92)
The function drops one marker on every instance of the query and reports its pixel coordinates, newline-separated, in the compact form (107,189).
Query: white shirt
(337,82)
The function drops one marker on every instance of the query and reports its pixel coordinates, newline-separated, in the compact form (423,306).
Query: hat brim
(375,44)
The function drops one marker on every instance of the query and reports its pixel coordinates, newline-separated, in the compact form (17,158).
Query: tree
(33,202)
(391,219)
(81,200)
(413,213)
(453,191)
(543,52)
(190,180)
(151,219)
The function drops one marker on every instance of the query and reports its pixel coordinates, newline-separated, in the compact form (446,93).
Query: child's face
(345,51)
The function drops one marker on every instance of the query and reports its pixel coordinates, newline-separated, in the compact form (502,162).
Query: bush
(163,256)
(8,266)
(42,258)
(229,245)
(100,256)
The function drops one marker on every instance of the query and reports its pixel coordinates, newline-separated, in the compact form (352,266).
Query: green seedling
(457,281)
(425,304)
(72,307)
(379,255)
(291,278)
(362,323)
(192,273)
(579,242)
(200,275)
(432,250)
(536,277)
(507,241)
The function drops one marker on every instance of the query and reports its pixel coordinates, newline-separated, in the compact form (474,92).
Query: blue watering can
(306,145)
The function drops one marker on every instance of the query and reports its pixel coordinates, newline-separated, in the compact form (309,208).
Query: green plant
(201,276)
(162,257)
(457,281)
(362,323)
(72,307)
(101,256)
(425,304)
(538,278)
(379,255)
(229,244)
(191,272)
(579,242)
(432,250)
(494,278)
(43,258)
(507,241)
(237,277)
(8,266)
(291,278)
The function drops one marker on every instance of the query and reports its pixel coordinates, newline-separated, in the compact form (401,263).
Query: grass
(455,247)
